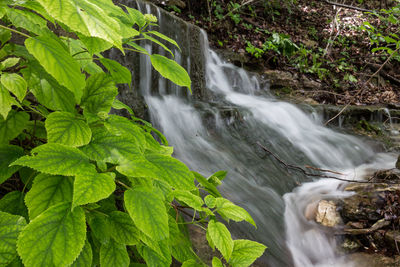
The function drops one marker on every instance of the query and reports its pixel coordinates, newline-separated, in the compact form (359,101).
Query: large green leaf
(181,246)
(10,227)
(27,20)
(171,70)
(8,154)
(119,73)
(216,262)
(166,38)
(230,211)
(85,258)
(9,62)
(107,147)
(126,128)
(148,212)
(245,252)
(6,102)
(164,168)
(221,238)
(135,16)
(58,160)
(48,91)
(123,230)
(67,129)
(92,187)
(85,17)
(57,61)
(48,190)
(13,125)
(55,238)
(113,254)
(94,45)
(15,84)
(99,94)
(154,259)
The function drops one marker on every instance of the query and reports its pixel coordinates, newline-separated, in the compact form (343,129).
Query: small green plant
(83,187)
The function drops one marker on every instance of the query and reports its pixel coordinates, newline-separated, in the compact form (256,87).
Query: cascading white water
(223,135)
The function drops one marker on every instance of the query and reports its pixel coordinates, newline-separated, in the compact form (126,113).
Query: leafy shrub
(82,187)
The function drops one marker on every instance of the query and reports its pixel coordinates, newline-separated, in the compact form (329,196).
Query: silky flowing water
(222,132)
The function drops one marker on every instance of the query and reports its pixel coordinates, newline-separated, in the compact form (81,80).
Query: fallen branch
(297,168)
(348,6)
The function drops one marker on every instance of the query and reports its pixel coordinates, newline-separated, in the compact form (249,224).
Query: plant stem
(21,33)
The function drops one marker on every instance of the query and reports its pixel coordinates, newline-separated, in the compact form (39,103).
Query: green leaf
(99,94)
(85,17)
(171,70)
(123,230)
(113,254)
(48,92)
(148,212)
(55,238)
(229,210)
(94,45)
(161,167)
(221,237)
(119,73)
(85,258)
(210,201)
(136,16)
(27,20)
(107,147)
(245,252)
(10,227)
(100,227)
(9,63)
(5,35)
(166,38)
(119,105)
(48,190)
(8,154)
(158,42)
(152,258)
(92,187)
(209,187)
(189,199)
(67,129)
(192,263)
(57,61)
(13,125)
(216,262)
(127,129)
(181,246)
(13,203)
(35,6)
(58,160)
(6,102)
(15,84)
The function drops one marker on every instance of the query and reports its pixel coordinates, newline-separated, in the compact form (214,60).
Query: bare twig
(297,168)
(363,86)
(348,6)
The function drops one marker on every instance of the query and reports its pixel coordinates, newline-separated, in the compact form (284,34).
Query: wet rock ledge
(367,223)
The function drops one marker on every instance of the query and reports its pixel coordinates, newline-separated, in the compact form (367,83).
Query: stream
(222,132)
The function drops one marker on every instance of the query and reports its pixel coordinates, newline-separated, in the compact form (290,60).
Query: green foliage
(93,188)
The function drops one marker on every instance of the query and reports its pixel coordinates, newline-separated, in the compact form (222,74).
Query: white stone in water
(327,214)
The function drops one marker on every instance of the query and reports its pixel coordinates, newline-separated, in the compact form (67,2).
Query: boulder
(281,79)
(374,260)
(327,214)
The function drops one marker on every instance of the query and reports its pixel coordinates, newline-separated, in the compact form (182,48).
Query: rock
(350,245)
(327,214)
(398,163)
(281,79)
(373,260)
(310,84)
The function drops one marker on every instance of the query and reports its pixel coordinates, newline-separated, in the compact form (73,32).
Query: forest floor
(315,40)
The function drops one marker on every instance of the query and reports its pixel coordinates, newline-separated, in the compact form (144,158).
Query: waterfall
(218,129)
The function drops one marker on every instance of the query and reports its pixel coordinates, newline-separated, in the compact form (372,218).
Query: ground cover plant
(82,187)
